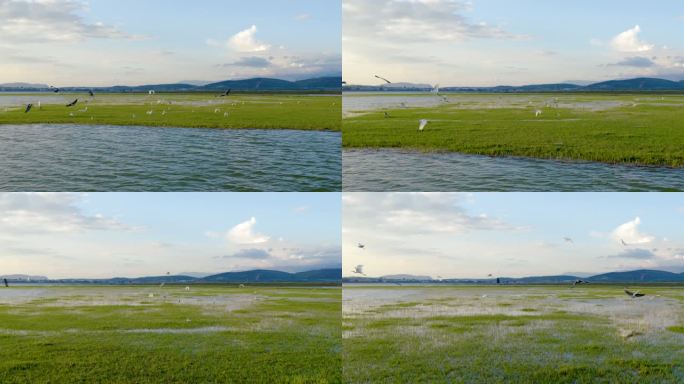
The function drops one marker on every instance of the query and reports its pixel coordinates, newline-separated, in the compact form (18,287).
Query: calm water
(45,157)
(400,170)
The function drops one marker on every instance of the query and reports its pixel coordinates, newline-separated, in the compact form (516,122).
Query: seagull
(383,79)
(634,294)
(362,246)
(6,283)
(623,242)
(28,107)
(568,240)
(90,92)
(423,123)
(359,269)
(226,93)
(72,103)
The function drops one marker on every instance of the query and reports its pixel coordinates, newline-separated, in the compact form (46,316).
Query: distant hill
(332,83)
(638,85)
(642,275)
(638,276)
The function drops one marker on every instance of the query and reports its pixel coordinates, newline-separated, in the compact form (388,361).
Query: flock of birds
(358,270)
(422,124)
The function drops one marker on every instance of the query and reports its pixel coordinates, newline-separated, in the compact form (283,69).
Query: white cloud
(245,41)
(629,232)
(243,233)
(628,41)
(50,20)
(50,212)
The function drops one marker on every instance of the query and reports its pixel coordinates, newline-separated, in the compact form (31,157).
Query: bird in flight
(6,283)
(72,103)
(489,275)
(578,282)
(54,89)
(359,270)
(383,79)
(568,240)
(362,246)
(90,92)
(28,107)
(423,124)
(226,93)
(634,294)
(623,242)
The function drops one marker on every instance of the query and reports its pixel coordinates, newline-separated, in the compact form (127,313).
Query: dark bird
(578,282)
(387,116)
(344,83)
(54,89)
(489,275)
(498,281)
(362,246)
(72,103)
(383,79)
(568,240)
(634,294)
(226,93)
(90,92)
(28,108)
(6,283)
(623,242)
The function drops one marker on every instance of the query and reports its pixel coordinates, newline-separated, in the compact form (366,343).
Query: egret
(423,124)
(359,270)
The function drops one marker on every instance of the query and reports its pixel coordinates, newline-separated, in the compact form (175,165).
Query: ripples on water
(45,157)
(400,170)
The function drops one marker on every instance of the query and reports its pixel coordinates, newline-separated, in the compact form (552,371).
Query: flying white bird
(359,270)
(423,124)
(537,113)
(187,288)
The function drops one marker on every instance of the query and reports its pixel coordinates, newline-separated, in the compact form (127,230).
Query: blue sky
(492,42)
(136,234)
(512,234)
(102,42)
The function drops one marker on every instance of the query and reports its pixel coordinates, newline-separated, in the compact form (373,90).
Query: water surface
(45,157)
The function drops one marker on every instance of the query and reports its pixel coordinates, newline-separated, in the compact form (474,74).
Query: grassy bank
(549,334)
(180,110)
(169,335)
(628,129)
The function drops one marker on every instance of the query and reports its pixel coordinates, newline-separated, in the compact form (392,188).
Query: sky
(455,235)
(133,42)
(503,42)
(101,235)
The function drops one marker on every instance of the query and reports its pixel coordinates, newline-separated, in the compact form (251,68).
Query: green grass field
(633,129)
(302,112)
(512,334)
(145,334)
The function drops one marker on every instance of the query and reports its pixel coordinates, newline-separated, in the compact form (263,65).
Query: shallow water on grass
(45,157)
(401,170)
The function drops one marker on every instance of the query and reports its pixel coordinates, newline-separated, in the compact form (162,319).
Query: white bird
(150,295)
(151,92)
(217,110)
(537,113)
(225,114)
(83,110)
(150,112)
(423,124)
(187,288)
(359,269)
(242,285)
(162,285)
(164,112)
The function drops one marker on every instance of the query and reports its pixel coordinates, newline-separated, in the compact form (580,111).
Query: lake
(46,157)
(377,170)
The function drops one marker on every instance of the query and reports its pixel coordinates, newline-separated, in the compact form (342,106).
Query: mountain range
(637,276)
(641,84)
(332,275)
(331,83)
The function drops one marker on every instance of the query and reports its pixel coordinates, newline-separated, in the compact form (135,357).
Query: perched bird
(72,103)
(383,79)
(423,124)
(28,107)
(634,294)
(359,270)
(362,246)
